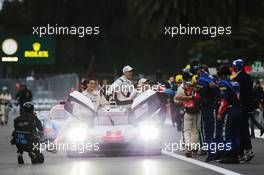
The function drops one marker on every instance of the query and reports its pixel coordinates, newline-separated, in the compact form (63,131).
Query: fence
(57,87)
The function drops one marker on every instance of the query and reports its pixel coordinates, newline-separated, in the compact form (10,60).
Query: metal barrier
(57,87)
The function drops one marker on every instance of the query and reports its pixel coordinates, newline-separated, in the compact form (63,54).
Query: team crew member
(5,105)
(258,106)
(171,85)
(192,117)
(209,92)
(95,96)
(27,133)
(122,89)
(246,98)
(229,113)
(23,96)
(179,111)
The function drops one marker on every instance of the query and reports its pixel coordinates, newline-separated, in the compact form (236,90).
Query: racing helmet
(179,78)
(28,107)
(239,64)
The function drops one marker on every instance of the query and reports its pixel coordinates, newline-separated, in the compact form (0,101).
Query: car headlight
(149,132)
(77,134)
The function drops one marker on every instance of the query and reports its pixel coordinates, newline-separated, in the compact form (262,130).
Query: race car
(113,129)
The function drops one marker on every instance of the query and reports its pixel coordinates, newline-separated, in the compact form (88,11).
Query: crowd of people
(217,110)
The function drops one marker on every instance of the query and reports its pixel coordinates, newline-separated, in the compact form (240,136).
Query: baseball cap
(127,69)
(179,78)
(141,81)
(239,63)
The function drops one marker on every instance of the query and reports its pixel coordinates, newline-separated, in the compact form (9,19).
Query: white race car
(113,129)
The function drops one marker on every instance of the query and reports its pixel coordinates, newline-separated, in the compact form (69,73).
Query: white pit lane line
(201,164)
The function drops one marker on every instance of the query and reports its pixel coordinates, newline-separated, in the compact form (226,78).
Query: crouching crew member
(27,135)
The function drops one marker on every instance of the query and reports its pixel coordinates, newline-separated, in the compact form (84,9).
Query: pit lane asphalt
(156,165)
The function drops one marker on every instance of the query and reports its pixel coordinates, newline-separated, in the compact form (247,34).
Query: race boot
(230,160)
(20,159)
(249,155)
(33,157)
(194,152)
(40,157)
(188,153)
(212,158)
(241,159)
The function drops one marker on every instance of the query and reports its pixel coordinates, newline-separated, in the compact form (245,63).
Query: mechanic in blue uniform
(27,135)
(229,114)
(246,98)
(208,90)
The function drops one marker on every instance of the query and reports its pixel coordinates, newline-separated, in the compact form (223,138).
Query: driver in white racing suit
(122,89)
(95,96)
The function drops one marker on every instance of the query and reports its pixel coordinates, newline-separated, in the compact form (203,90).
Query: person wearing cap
(122,90)
(246,98)
(143,85)
(187,97)
(178,79)
(179,110)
